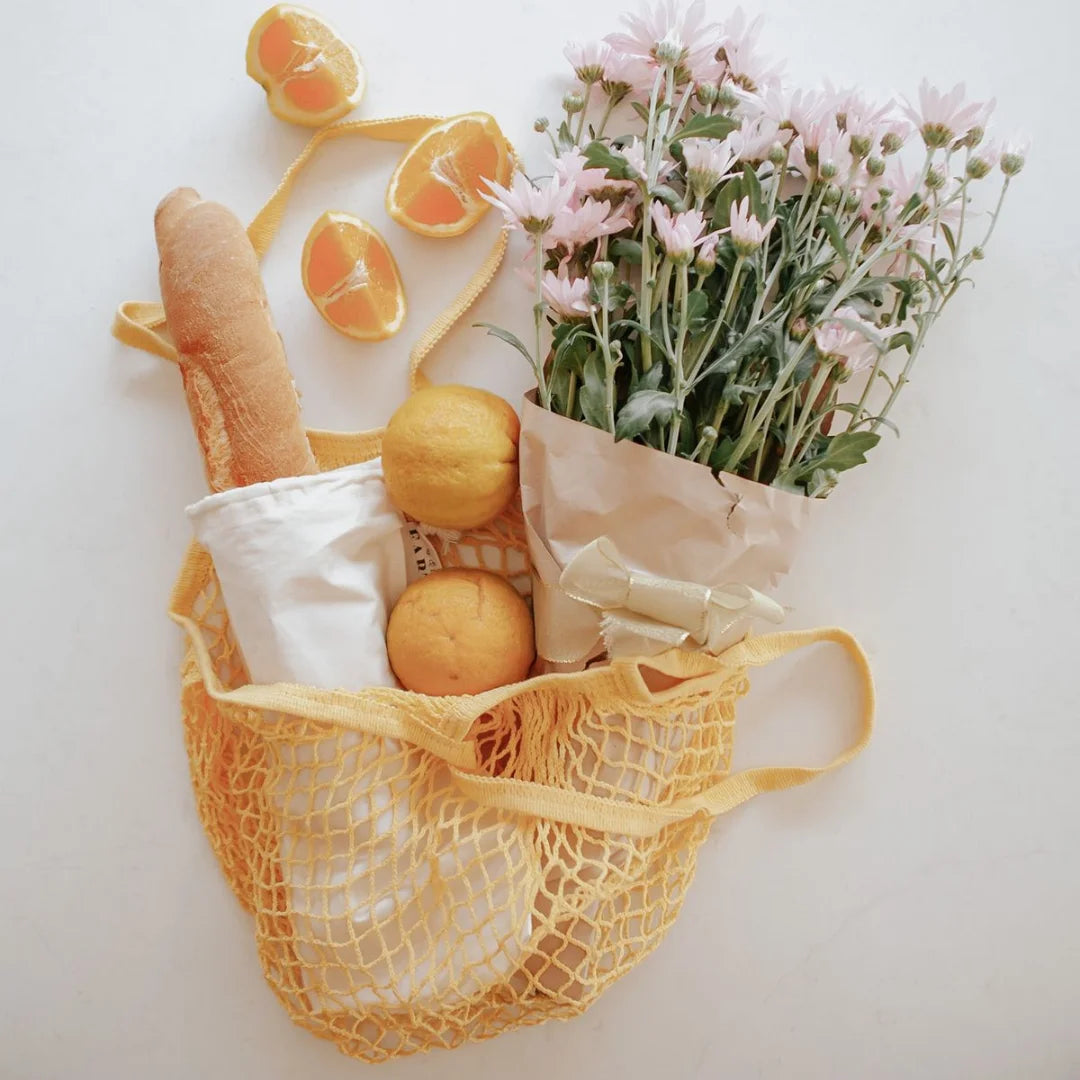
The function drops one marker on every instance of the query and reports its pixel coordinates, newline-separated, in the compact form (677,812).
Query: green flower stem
(926,322)
(645,307)
(608,110)
(538,311)
(761,449)
(662,298)
(864,397)
(584,112)
(571,394)
(730,296)
(816,386)
(682,291)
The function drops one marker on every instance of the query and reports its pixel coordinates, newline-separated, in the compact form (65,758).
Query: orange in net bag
(425,871)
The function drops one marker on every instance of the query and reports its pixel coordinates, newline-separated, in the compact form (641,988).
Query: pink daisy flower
(566,296)
(528,206)
(942,117)
(662,34)
(678,234)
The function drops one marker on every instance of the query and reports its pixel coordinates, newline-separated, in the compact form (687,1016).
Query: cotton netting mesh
(395,911)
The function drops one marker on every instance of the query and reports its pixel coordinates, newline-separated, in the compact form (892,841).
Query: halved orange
(352,278)
(435,188)
(310,74)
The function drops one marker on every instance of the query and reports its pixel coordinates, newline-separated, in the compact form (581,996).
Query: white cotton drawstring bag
(309,569)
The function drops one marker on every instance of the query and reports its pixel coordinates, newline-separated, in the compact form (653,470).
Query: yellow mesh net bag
(426,871)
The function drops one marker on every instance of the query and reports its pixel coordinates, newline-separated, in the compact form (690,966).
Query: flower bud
(828,169)
(707,94)
(891,142)
(602,271)
(973,137)
(1012,162)
(799,329)
(705,263)
(875,166)
(573,102)
(977,253)
(852,202)
(727,98)
(541,124)
(832,194)
(777,153)
(977,168)
(935,179)
(668,52)
(861,145)
(710,434)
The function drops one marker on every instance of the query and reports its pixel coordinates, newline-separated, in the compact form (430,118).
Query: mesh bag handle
(141,324)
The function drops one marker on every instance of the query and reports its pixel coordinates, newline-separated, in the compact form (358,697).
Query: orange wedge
(435,188)
(310,74)
(352,278)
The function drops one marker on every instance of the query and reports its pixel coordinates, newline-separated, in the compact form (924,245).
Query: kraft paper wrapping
(668,517)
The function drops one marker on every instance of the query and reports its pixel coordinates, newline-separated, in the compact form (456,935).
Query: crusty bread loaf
(241,396)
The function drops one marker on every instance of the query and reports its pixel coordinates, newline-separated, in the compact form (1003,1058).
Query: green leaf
(641,110)
(599,155)
(650,380)
(626,250)
(591,397)
(752,188)
(566,139)
(510,339)
(642,409)
(844,451)
(902,340)
(730,193)
(668,195)
(697,309)
(836,237)
(949,239)
(735,393)
(573,348)
(705,127)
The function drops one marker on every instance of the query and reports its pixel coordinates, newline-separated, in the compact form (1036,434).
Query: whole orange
(450,456)
(460,632)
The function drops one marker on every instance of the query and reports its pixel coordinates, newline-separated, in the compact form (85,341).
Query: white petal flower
(747,233)
(588,60)
(942,117)
(678,234)
(568,297)
(528,206)
(708,161)
(853,349)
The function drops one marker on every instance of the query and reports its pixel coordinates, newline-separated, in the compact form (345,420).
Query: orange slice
(352,278)
(310,74)
(435,188)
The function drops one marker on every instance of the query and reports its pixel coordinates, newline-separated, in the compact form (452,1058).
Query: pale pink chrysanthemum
(625,75)
(708,161)
(678,234)
(707,249)
(566,296)
(588,60)
(753,141)
(571,167)
(528,206)
(747,232)
(738,49)
(853,349)
(942,117)
(634,152)
(829,152)
(885,197)
(574,227)
(662,35)
(798,109)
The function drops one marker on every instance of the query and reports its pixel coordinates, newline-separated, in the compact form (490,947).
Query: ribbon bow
(642,614)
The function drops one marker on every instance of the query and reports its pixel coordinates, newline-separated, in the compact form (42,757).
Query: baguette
(241,396)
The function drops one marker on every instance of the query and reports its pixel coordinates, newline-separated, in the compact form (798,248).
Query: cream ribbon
(639,614)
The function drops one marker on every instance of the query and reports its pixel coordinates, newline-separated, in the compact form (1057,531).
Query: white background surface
(912,916)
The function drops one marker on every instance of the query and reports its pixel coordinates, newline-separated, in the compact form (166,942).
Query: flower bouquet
(733,281)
